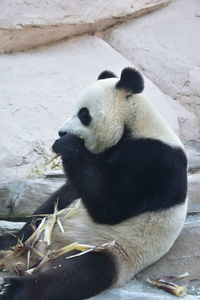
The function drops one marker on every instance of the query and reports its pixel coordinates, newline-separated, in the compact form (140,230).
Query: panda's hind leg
(66,279)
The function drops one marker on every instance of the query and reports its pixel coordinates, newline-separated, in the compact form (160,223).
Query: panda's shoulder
(137,145)
(148,150)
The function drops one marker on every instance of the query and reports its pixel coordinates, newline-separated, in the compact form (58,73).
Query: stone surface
(165,45)
(192,148)
(22,197)
(183,257)
(194,193)
(27,24)
(193,154)
(6,226)
(37,93)
(139,290)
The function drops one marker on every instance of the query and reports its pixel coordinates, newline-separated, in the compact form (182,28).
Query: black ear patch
(106,74)
(131,80)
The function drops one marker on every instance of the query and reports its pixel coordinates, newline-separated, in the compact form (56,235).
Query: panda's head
(103,109)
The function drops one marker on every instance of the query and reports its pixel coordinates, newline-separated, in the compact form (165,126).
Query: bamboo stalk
(52,159)
(169,287)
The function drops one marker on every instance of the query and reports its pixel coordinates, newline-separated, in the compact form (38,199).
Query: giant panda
(128,170)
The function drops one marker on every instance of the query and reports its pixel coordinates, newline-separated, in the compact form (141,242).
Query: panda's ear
(131,81)
(106,74)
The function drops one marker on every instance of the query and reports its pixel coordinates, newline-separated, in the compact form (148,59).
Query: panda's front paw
(68,145)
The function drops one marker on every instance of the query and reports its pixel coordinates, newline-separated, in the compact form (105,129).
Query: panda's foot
(81,278)
(13,289)
(5,285)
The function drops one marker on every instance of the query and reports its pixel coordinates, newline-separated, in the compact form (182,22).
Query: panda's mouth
(90,140)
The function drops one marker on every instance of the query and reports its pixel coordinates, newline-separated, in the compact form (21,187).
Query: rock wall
(28,24)
(165,46)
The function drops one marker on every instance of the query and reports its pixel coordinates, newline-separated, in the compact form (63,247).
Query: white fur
(150,124)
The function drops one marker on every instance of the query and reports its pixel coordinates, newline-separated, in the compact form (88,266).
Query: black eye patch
(84,116)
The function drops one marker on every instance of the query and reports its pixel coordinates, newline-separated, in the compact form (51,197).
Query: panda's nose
(61,133)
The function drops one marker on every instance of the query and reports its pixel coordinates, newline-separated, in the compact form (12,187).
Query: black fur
(84,116)
(8,240)
(66,279)
(106,74)
(61,133)
(131,81)
(137,176)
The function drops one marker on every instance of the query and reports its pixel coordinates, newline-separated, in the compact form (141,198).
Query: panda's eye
(84,116)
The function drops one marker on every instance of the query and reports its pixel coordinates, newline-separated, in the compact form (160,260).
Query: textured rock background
(165,45)
(38,89)
(28,24)
(22,197)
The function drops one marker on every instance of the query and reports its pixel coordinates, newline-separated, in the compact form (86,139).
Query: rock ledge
(25,25)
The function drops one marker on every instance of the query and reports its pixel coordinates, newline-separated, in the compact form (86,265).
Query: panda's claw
(4,285)
(1,284)
(3,288)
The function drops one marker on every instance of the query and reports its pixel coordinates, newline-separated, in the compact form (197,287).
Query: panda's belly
(139,241)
